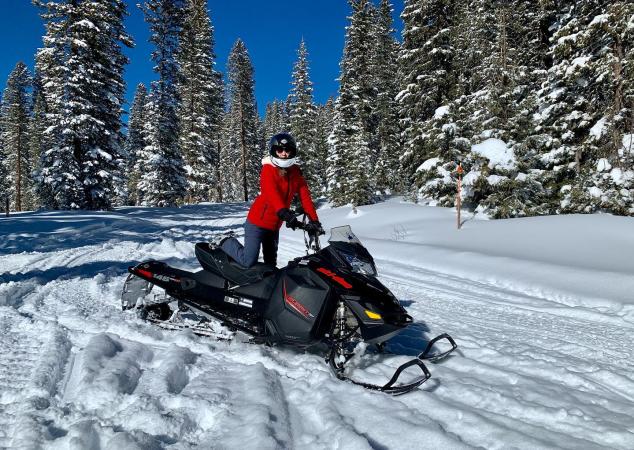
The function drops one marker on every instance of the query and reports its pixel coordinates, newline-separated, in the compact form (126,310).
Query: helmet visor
(284,150)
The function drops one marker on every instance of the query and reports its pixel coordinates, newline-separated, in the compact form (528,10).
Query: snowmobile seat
(217,261)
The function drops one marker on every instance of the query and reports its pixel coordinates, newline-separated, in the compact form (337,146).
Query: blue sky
(271,30)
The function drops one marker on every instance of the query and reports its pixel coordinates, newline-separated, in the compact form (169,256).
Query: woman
(280,180)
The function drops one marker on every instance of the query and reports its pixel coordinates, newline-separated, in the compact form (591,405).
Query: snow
(599,128)
(628,144)
(595,192)
(541,308)
(441,112)
(603,165)
(428,164)
(497,152)
(617,176)
(570,37)
(495,179)
(599,19)
(471,177)
(580,61)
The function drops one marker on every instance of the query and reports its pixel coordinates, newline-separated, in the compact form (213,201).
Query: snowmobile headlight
(373,315)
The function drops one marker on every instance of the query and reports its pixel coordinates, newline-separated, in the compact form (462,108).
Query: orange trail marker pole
(458,195)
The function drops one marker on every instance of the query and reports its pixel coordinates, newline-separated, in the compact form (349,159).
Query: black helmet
(283,141)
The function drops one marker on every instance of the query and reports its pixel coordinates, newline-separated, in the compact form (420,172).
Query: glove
(287,216)
(314,227)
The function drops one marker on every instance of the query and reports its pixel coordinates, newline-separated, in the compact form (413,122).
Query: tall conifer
(302,116)
(201,101)
(163,181)
(350,138)
(242,126)
(15,116)
(135,144)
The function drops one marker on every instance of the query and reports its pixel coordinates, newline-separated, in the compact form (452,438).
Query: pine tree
(163,181)
(582,112)
(201,101)
(4,185)
(388,146)
(324,125)
(15,116)
(37,140)
(302,116)
(59,177)
(606,177)
(351,136)
(426,75)
(271,125)
(135,144)
(82,71)
(228,181)
(274,122)
(242,126)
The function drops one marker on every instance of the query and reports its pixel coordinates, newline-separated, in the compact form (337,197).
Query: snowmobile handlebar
(304,224)
(311,229)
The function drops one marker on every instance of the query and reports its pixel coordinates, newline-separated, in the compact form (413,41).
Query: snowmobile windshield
(343,234)
(355,254)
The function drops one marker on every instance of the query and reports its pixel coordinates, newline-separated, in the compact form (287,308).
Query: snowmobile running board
(389,387)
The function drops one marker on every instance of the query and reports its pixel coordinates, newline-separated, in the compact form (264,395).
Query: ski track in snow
(77,372)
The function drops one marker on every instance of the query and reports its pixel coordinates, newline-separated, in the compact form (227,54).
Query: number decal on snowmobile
(166,278)
(335,277)
(239,301)
(297,306)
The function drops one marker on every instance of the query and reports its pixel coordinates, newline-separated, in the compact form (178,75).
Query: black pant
(247,255)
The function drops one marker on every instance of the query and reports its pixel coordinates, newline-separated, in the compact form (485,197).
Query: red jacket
(277,189)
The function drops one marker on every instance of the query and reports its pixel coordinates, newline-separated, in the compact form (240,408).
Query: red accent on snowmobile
(144,273)
(335,277)
(297,306)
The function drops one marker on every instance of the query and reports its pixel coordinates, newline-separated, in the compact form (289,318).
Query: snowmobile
(329,299)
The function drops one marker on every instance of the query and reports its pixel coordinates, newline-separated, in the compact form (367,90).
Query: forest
(533,100)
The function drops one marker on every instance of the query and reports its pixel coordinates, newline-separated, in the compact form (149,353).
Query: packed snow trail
(545,365)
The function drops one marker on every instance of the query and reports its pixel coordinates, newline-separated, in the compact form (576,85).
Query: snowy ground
(542,310)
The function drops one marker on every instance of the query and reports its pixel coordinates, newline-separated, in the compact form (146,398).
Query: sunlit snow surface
(542,310)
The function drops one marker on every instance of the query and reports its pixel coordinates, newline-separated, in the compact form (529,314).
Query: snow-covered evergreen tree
(37,132)
(15,118)
(227,170)
(426,76)
(82,72)
(387,139)
(135,143)
(497,69)
(201,101)
(272,124)
(302,116)
(274,120)
(606,173)
(4,182)
(59,178)
(163,181)
(581,117)
(324,125)
(351,136)
(242,128)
